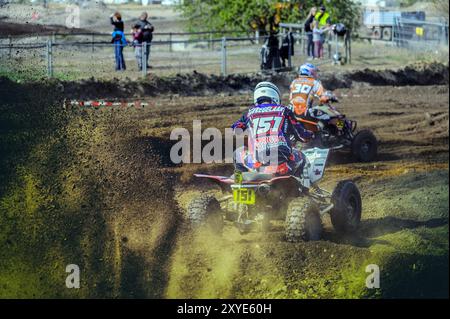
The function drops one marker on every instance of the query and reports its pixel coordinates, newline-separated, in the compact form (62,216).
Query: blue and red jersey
(271,126)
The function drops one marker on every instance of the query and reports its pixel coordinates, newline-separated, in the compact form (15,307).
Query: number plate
(340,124)
(244,196)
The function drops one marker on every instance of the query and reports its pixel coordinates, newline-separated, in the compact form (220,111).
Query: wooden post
(49,59)
(144,59)
(224,57)
(10,46)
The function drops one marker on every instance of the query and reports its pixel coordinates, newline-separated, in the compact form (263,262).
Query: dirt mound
(17,29)
(200,84)
(434,73)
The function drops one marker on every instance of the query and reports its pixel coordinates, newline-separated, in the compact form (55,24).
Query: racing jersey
(302,92)
(270,128)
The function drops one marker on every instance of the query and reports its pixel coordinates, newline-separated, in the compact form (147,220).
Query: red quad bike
(338,132)
(253,199)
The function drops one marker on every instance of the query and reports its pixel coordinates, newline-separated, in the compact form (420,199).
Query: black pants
(310,45)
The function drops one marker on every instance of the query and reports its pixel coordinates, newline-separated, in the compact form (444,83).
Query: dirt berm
(197,84)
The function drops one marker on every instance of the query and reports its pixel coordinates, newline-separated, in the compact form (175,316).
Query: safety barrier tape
(104,103)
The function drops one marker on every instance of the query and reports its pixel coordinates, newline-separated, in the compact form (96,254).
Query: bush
(262,15)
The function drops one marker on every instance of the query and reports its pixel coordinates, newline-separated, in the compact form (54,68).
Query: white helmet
(266,90)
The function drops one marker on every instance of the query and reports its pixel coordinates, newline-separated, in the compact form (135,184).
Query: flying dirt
(107,197)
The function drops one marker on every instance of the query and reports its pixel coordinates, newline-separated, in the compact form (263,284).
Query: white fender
(316,159)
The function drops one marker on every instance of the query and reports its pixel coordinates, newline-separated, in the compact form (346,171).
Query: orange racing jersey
(302,92)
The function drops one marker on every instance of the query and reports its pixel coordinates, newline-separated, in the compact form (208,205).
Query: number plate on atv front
(244,196)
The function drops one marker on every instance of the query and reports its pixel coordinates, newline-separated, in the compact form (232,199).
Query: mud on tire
(365,146)
(205,211)
(303,222)
(346,213)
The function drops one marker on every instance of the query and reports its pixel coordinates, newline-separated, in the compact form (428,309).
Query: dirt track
(404,196)
(121,207)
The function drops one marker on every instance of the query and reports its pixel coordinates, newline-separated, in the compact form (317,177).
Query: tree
(262,15)
(442,8)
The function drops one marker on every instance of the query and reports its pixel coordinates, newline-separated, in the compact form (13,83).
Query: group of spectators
(142,33)
(316,26)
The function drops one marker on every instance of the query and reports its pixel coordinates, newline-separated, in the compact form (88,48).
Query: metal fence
(420,35)
(92,55)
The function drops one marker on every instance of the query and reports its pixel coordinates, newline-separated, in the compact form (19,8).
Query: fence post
(329,45)
(336,52)
(144,59)
(289,50)
(49,59)
(92,41)
(446,32)
(257,36)
(303,42)
(224,57)
(349,46)
(10,46)
(170,42)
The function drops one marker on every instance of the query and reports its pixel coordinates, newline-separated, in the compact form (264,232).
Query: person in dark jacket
(116,21)
(287,48)
(147,34)
(309,32)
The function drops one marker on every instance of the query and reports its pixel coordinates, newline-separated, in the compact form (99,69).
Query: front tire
(205,211)
(303,222)
(365,146)
(346,213)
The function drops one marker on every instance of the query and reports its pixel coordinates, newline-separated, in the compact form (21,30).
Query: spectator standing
(309,33)
(137,43)
(317,40)
(147,34)
(324,21)
(323,18)
(287,48)
(119,41)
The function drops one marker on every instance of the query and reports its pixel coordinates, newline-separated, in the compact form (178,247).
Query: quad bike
(338,132)
(254,199)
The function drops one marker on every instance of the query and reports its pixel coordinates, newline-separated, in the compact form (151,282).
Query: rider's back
(302,92)
(270,127)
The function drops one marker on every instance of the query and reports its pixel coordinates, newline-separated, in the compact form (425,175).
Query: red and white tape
(100,103)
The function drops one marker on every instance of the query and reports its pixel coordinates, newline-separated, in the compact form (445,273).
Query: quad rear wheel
(303,222)
(205,211)
(346,213)
(364,146)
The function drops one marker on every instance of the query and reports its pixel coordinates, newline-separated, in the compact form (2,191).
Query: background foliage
(262,15)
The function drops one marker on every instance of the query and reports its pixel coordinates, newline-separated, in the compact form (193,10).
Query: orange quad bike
(334,131)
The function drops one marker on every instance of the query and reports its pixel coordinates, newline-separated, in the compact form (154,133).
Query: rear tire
(346,213)
(364,146)
(205,211)
(303,222)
